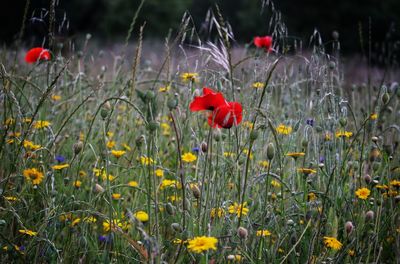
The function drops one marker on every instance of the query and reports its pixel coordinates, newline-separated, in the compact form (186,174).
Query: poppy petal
(209,101)
(35,54)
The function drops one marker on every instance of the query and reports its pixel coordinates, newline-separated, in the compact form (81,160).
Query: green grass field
(102,160)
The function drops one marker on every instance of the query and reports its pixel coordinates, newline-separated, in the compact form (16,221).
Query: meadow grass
(95,163)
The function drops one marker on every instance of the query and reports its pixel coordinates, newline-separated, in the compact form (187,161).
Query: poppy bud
(107,105)
(385,98)
(242,232)
(343,121)
(152,126)
(186,204)
(270,151)
(253,135)
(304,143)
(170,209)
(217,134)
(196,191)
(335,35)
(150,95)
(98,188)
(104,113)
(369,216)
(367,178)
(348,226)
(172,103)
(204,146)
(139,141)
(332,65)
(374,139)
(77,147)
(290,222)
(176,227)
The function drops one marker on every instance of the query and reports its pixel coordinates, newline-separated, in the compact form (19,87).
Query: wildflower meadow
(214,152)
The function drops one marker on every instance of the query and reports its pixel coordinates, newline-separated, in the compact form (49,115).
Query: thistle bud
(104,113)
(204,146)
(348,226)
(242,232)
(369,216)
(77,147)
(176,227)
(270,151)
(385,98)
(98,188)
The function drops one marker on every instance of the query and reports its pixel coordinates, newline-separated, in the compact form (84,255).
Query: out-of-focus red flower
(224,114)
(263,42)
(35,54)
(210,100)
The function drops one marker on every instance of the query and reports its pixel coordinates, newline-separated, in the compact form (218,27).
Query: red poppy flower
(209,101)
(35,54)
(263,42)
(226,115)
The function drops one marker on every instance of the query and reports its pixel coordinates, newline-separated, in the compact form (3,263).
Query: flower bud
(369,216)
(170,209)
(98,188)
(139,141)
(150,95)
(385,98)
(152,126)
(104,113)
(172,103)
(374,139)
(242,232)
(204,146)
(176,227)
(77,147)
(332,65)
(196,92)
(343,121)
(348,226)
(335,35)
(290,222)
(196,191)
(270,151)
(253,135)
(367,178)
(217,134)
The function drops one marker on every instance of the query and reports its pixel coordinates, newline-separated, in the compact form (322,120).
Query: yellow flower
(11,198)
(395,183)
(159,172)
(188,157)
(284,130)
(238,209)
(133,184)
(110,144)
(146,160)
(116,196)
(110,134)
(77,184)
(178,241)
(141,216)
(174,198)
(9,121)
(60,166)
(164,89)
(30,145)
(311,196)
(109,177)
(333,243)
(126,146)
(118,153)
(363,193)
(263,233)
(115,223)
(382,186)
(33,175)
(41,124)
(56,97)
(189,77)
(346,134)
(90,219)
(275,184)
(258,85)
(264,164)
(351,252)
(217,212)
(229,154)
(373,116)
(75,222)
(27,232)
(27,120)
(327,136)
(295,154)
(306,170)
(169,183)
(201,244)
(248,124)
(246,152)
(82,174)
(166,129)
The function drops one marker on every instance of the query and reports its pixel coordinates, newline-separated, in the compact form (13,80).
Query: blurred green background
(109,20)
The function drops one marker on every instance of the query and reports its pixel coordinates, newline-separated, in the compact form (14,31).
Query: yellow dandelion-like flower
(110,144)
(327,136)
(118,153)
(164,89)
(264,164)
(90,219)
(33,175)
(126,146)
(178,241)
(56,97)
(188,157)
(77,184)
(363,193)
(9,121)
(248,124)
(41,124)
(109,177)
(146,160)
(133,184)
(246,152)
(30,145)
(189,77)
(351,252)
(110,134)
(217,212)
(170,183)
(75,222)
(395,183)
(332,243)
(306,171)
(28,232)
(11,198)
(263,233)
(258,85)
(284,130)
(382,186)
(27,120)
(275,184)
(82,174)
(60,166)
(295,154)
(174,198)
(228,154)
(116,196)
(166,129)
(115,223)
(201,244)
(142,216)
(373,116)
(238,209)
(311,196)
(343,134)
(159,172)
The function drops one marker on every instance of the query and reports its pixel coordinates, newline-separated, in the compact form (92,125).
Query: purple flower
(60,158)
(105,238)
(310,122)
(196,149)
(321,159)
